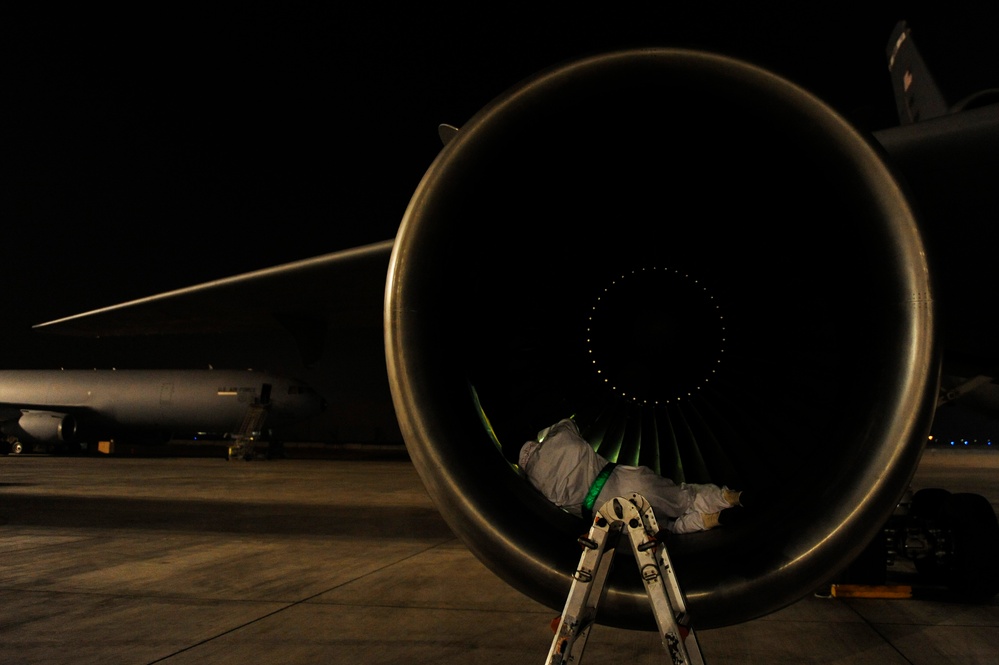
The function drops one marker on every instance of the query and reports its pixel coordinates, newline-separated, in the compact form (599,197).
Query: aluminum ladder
(634,515)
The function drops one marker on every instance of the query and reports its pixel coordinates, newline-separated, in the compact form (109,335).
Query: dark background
(147,150)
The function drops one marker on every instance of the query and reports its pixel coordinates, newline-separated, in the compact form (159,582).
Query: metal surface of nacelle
(707,267)
(47,427)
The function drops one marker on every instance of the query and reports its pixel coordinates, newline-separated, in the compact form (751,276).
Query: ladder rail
(677,600)
(661,586)
(581,606)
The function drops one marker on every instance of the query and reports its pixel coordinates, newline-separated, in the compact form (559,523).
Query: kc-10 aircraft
(62,410)
(705,264)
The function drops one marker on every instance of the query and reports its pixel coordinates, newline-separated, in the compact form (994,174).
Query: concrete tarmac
(345,560)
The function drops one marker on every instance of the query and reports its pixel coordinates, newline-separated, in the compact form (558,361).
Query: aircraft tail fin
(917,95)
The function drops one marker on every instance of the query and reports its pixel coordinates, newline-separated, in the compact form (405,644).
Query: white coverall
(563,467)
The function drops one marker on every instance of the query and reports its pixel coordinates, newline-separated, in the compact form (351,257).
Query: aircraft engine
(707,267)
(47,427)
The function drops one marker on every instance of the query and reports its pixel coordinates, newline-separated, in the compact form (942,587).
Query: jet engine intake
(707,267)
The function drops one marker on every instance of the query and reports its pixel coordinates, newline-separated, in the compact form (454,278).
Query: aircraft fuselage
(63,406)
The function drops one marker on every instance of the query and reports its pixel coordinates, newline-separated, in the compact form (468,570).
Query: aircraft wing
(307,298)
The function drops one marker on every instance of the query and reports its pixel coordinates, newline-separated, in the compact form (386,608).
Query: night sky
(149,150)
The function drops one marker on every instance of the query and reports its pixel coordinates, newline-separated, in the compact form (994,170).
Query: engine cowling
(714,273)
(46,427)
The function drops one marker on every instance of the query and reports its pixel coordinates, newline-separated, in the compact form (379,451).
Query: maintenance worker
(563,466)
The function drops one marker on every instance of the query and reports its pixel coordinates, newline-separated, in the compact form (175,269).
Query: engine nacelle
(45,427)
(714,273)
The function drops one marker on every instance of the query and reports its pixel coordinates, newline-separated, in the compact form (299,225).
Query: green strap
(598,484)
